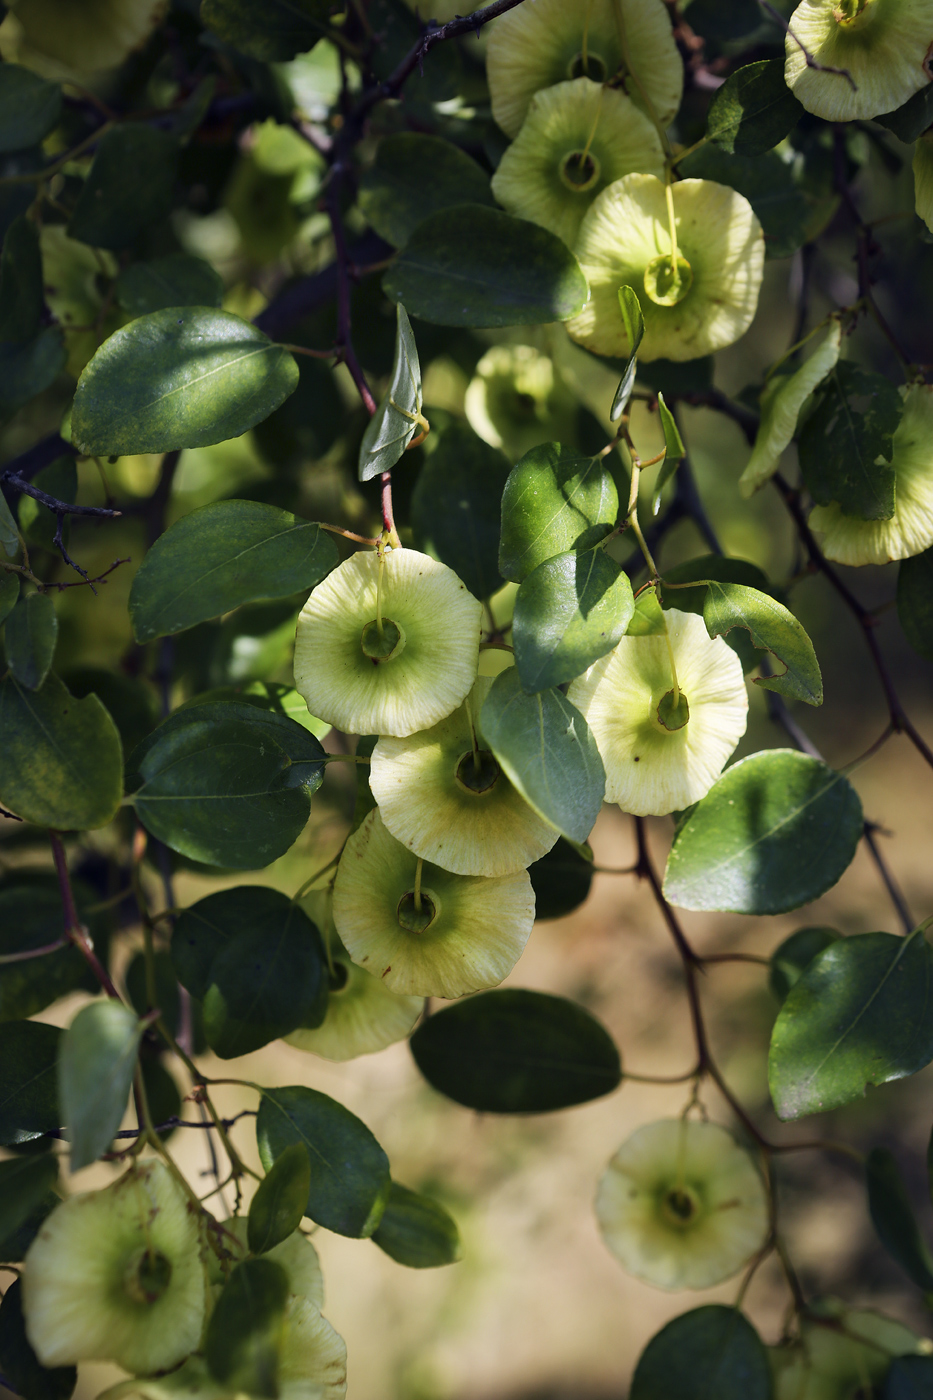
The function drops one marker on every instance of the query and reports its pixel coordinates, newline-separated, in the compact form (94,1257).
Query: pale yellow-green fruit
(296,1254)
(848,540)
(457,811)
(781,402)
(577,138)
(467,935)
(681,1205)
(883,45)
(923,178)
(652,769)
(625,240)
(410,676)
(516,400)
(841,1354)
(72,274)
(82,36)
(118,1275)
(548,41)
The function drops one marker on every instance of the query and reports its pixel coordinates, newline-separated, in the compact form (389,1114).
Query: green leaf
(129,188)
(472,266)
(546,748)
(915,602)
(910,121)
(219,785)
(270,30)
(861,1013)
(773,187)
(184,377)
(846,446)
(709,566)
(753,110)
(161,1093)
(674,452)
(27,370)
(22,299)
(414,176)
(711,1353)
(776,831)
(39,524)
(795,954)
(31,917)
(416,1231)
(569,611)
(61,760)
(131,702)
(634,323)
(910,1378)
(28,1081)
(555,500)
(276,1210)
(221,556)
(349,1170)
(733,20)
(19,1364)
(16,1246)
(24,1184)
(395,421)
(246,1329)
(310,420)
(772,628)
(893,1218)
(30,637)
(9,588)
(561,881)
(174,280)
(96,1063)
(455,507)
(9,539)
(29,108)
(515,1051)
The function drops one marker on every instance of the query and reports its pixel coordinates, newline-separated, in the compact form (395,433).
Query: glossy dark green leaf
(727,570)
(19,1364)
(39,524)
(28,1081)
(893,1218)
(515,1051)
(396,420)
(349,1171)
(861,1013)
(29,639)
(22,299)
(414,176)
(270,30)
(14,1247)
(772,628)
(96,1064)
(915,602)
(131,702)
(166,987)
(276,1210)
(24,1184)
(162,1093)
(473,266)
(772,186)
(846,447)
(910,1378)
(61,762)
(634,323)
(456,507)
(711,1353)
(9,593)
(561,881)
(753,110)
(174,280)
(246,1328)
(914,118)
(221,556)
(9,539)
(674,452)
(776,831)
(31,917)
(416,1231)
(547,751)
(27,370)
(790,958)
(183,377)
(555,500)
(29,108)
(569,611)
(129,188)
(725,19)
(310,420)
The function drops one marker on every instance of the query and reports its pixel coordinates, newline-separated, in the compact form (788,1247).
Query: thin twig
(75,931)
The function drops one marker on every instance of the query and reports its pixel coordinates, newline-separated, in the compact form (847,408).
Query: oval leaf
(273,30)
(773,628)
(28,1081)
(893,1218)
(276,1210)
(31,917)
(416,1231)
(129,187)
(29,108)
(19,1364)
(245,1331)
(753,110)
(776,831)
(561,880)
(861,1013)
(396,420)
(24,1184)
(788,961)
(846,446)
(555,500)
(175,280)
(569,611)
(395,197)
(515,1051)
(185,377)
(96,1063)
(711,1351)
(30,637)
(456,508)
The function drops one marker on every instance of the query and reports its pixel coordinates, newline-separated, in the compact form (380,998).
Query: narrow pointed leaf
(634,323)
(674,452)
(277,1208)
(96,1064)
(246,1328)
(395,421)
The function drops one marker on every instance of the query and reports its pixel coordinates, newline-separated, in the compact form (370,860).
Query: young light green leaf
(860,1014)
(893,1218)
(174,280)
(569,611)
(795,954)
(28,1081)
(456,507)
(634,323)
(416,1231)
(915,602)
(19,1364)
(183,377)
(397,418)
(61,762)
(555,500)
(130,186)
(711,1351)
(25,1182)
(394,195)
(547,751)
(515,1051)
(773,628)
(246,1328)
(846,446)
(783,398)
(96,1064)
(221,556)
(674,452)
(29,108)
(276,1210)
(776,831)
(30,637)
(753,110)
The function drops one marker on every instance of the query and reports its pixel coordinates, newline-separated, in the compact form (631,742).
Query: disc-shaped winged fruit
(841,1353)
(516,400)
